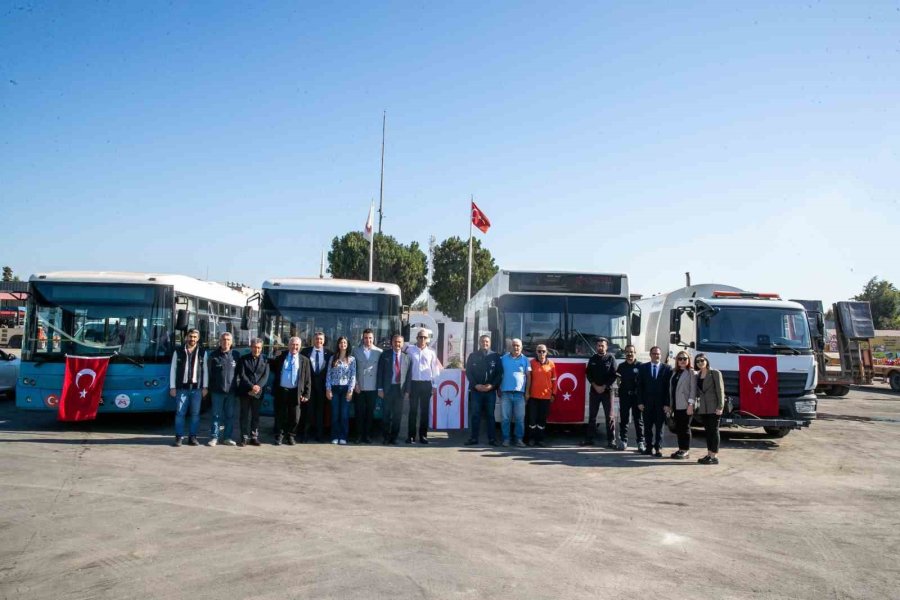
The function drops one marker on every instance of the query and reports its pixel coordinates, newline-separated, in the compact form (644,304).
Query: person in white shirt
(425,369)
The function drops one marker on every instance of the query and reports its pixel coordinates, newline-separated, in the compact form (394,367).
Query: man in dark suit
(291,388)
(394,382)
(652,396)
(252,376)
(312,420)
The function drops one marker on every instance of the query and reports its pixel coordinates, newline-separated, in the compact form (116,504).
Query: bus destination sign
(570,283)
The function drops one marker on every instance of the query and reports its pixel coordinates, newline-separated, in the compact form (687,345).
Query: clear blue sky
(755,144)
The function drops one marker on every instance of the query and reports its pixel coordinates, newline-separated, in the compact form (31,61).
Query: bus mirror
(181,320)
(493,319)
(635,323)
(675,338)
(674,321)
(245,318)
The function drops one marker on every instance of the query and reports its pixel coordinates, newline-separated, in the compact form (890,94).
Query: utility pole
(381,192)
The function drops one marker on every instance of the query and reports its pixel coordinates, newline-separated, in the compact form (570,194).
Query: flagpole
(381,192)
(371,242)
(469,278)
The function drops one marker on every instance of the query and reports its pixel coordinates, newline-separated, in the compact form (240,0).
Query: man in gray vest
(367,357)
(188,384)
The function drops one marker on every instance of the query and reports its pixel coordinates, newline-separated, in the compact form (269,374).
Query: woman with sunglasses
(682,390)
(710,403)
(540,395)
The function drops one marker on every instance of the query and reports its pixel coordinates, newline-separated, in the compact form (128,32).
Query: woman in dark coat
(710,403)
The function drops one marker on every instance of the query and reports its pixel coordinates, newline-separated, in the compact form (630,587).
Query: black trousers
(628,409)
(287,412)
(654,421)
(364,413)
(250,416)
(537,418)
(392,412)
(314,415)
(419,408)
(683,429)
(711,425)
(590,430)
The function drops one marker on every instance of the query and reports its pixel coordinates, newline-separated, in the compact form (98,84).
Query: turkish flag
(759,385)
(82,387)
(571,393)
(479,219)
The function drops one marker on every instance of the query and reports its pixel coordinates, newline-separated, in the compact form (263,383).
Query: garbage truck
(761,344)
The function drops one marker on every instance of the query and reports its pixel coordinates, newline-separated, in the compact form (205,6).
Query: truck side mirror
(636,323)
(245,318)
(493,319)
(675,338)
(820,324)
(181,320)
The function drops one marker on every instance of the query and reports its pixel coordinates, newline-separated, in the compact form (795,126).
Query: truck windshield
(287,313)
(755,330)
(568,326)
(90,319)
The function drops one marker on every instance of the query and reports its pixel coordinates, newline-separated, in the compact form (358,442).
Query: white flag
(370,223)
(448,400)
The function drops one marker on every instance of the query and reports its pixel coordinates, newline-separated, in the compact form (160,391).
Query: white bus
(136,318)
(567,312)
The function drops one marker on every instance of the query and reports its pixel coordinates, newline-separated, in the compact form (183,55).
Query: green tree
(450,267)
(394,262)
(8,274)
(884,299)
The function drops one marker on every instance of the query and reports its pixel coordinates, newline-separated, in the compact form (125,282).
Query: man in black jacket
(484,371)
(223,363)
(601,374)
(653,395)
(312,417)
(628,372)
(291,388)
(394,382)
(252,376)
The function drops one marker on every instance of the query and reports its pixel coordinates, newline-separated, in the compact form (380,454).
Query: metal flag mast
(471,222)
(381,192)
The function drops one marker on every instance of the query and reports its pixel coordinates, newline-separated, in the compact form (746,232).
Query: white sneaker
(623,446)
(334,441)
(212,442)
(342,442)
(230,442)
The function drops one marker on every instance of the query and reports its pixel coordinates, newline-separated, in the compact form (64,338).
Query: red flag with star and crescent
(571,392)
(82,387)
(759,385)
(479,219)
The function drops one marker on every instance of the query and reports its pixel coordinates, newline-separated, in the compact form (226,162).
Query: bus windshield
(568,326)
(90,319)
(287,313)
(756,330)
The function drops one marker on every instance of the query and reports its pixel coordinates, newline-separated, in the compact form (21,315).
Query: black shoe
(530,443)
(424,440)
(471,442)
(493,443)
(255,442)
(178,439)
(277,441)
(192,441)
(657,453)
(647,452)
(611,446)
(242,443)
(586,443)
(366,440)
(705,460)
(679,455)
(289,441)
(409,440)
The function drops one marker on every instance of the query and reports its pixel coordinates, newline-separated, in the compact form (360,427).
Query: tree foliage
(7,274)
(450,267)
(884,299)
(393,262)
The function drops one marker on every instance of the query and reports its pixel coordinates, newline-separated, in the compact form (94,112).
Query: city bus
(565,311)
(137,319)
(337,307)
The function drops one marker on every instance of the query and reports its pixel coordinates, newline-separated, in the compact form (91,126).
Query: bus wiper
(738,347)
(790,349)
(584,339)
(128,358)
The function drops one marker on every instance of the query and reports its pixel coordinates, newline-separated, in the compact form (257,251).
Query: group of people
(304,382)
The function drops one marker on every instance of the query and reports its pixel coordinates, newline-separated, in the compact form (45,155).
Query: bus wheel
(894,378)
(777,432)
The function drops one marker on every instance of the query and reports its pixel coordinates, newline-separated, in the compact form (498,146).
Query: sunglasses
(542,352)
(700,360)
(682,358)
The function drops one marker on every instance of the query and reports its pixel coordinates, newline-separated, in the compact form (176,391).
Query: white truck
(757,341)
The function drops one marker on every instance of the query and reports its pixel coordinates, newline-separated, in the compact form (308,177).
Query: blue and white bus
(136,318)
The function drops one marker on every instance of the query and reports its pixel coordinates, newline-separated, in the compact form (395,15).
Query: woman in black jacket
(710,404)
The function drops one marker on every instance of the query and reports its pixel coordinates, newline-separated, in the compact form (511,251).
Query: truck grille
(789,384)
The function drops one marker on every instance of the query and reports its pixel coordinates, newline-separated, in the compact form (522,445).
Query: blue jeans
(222,410)
(512,405)
(340,412)
(183,400)
(479,401)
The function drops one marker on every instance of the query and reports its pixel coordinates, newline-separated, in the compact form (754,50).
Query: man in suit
(652,397)
(291,388)
(312,419)
(394,381)
(367,357)
(252,376)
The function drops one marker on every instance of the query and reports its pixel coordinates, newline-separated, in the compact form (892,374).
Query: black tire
(894,378)
(777,432)
(841,390)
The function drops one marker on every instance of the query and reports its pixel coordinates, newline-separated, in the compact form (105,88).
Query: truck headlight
(805,406)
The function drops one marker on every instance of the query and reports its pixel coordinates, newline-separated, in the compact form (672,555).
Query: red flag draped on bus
(479,219)
(82,387)
(759,385)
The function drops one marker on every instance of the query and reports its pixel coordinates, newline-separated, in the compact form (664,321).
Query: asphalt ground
(111,510)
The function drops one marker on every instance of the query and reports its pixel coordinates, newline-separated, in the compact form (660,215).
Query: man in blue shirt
(516,379)
(292,387)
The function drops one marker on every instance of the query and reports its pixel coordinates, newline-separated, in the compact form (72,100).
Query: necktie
(291,366)
(396,368)
(317,361)
(654,371)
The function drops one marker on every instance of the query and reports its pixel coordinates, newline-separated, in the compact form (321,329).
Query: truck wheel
(777,432)
(841,390)
(894,378)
